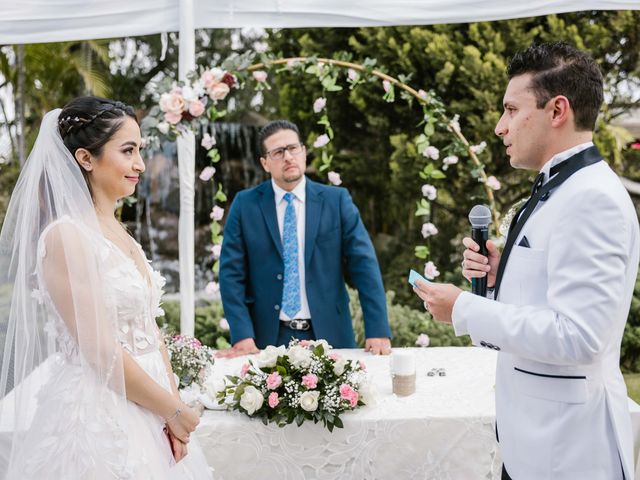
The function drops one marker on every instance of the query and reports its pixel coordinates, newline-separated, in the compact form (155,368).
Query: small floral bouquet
(306,381)
(189,359)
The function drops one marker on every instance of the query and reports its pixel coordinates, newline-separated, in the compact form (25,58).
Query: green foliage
(465,66)
(8,176)
(406,324)
(630,349)
(207,323)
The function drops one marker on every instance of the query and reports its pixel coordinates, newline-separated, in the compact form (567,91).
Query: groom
(286,242)
(563,283)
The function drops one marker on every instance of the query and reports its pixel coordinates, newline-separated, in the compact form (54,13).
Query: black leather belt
(297,323)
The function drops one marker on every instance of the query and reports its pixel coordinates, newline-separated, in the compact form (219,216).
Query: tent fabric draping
(36,21)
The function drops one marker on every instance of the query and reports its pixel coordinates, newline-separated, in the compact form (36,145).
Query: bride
(85,379)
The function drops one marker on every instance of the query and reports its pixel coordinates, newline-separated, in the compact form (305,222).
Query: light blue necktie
(291,287)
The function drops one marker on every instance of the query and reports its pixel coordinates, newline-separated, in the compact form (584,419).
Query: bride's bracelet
(174,416)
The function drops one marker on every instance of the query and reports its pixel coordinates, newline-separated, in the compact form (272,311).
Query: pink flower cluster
(189,101)
(190,341)
(348,393)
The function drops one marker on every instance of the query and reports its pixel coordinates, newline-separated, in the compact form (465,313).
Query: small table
(444,431)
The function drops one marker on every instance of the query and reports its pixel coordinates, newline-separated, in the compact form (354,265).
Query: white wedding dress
(68,440)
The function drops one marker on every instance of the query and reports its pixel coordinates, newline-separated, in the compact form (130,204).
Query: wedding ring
(462,264)
(426,306)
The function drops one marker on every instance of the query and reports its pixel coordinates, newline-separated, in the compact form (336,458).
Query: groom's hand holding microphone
(480,264)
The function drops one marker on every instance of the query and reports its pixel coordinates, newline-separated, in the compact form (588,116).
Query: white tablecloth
(444,431)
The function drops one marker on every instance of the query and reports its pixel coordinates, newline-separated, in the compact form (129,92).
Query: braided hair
(90,122)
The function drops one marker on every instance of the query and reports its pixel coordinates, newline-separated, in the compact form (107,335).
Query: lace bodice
(136,299)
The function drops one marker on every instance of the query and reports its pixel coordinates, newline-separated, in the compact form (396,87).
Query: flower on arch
(478,149)
(207,173)
(429,229)
(449,160)
(260,76)
(493,183)
(386,85)
(431,152)
(208,141)
(319,104)
(430,270)
(217,213)
(212,288)
(423,340)
(429,191)
(334,178)
(321,141)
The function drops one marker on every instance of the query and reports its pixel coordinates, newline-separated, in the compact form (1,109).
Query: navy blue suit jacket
(252,267)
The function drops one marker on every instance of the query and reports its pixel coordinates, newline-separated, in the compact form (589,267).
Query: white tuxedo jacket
(561,401)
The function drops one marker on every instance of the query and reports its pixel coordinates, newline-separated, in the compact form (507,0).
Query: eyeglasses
(278,153)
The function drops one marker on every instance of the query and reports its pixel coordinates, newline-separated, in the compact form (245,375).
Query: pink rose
(172,102)
(310,381)
(353,75)
(273,399)
(431,152)
(211,77)
(386,85)
(274,380)
(260,76)
(208,141)
(346,391)
(429,229)
(216,250)
(353,399)
(422,94)
(304,343)
(334,356)
(196,108)
(172,118)
(362,365)
(218,91)
(224,324)
(244,370)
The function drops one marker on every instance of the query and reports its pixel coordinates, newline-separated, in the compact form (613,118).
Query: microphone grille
(480,216)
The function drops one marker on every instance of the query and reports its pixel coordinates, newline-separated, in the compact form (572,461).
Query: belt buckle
(299,325)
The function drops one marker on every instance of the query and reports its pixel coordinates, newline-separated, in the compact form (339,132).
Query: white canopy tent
(37,21)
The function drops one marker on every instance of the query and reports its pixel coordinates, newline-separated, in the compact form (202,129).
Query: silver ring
(426,306)
(462,264)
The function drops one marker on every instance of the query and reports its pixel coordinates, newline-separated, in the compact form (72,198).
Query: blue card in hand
(413,276)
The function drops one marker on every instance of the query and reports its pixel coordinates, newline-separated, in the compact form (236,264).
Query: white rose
(324,343)
(338,366)
(269,356)
(163,127)
(299,357)
(213,386)
(251,399)
(368,393)
(309,401)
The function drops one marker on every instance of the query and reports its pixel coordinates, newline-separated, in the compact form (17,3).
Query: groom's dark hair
(274,127)
(561,69)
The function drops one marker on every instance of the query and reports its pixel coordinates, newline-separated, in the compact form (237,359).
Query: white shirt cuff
(459,314)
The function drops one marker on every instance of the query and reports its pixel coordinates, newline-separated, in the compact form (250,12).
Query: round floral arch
(187,107)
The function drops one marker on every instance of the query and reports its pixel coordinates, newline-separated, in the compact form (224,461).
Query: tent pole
(186,167)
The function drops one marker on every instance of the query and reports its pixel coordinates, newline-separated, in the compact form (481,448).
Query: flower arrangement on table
(306,381)
(190,360)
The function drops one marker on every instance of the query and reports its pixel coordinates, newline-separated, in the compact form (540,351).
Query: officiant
(281,266)
(562,286)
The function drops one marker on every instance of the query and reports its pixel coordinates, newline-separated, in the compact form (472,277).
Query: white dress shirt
(299,194)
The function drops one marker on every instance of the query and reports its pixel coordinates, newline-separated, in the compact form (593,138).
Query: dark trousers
(505,475)
(285,334)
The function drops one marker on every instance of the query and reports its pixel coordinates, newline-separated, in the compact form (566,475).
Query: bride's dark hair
(89,122)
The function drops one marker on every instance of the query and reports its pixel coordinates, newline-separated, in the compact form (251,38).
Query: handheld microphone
(480,218)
